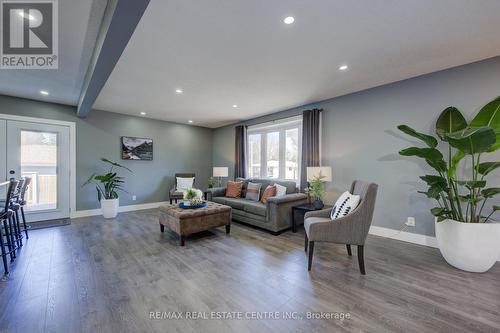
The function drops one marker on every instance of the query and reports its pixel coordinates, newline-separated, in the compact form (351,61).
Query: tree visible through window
(274,150)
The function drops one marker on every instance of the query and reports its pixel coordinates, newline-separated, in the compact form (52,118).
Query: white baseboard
(121,209)
(404,236)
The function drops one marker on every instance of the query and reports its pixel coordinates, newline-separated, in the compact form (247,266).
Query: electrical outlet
(410,221)
(134,198)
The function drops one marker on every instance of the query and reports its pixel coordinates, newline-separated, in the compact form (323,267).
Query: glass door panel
(41,152)
(39,162)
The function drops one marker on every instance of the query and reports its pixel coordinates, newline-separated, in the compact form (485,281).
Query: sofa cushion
(270,191)
(280,190)
(245,184)
(234,189)
(236,203)
(253,191)
(291,186)
(256,208)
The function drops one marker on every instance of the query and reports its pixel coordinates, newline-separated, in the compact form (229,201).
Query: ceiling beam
(119,22)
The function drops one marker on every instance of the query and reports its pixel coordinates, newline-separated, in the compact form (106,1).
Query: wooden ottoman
(185,222)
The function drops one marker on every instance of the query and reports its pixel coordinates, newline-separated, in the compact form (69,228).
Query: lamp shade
(313,172)
(221,171)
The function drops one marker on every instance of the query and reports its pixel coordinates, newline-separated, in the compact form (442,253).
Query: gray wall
(360,139)
(177,148)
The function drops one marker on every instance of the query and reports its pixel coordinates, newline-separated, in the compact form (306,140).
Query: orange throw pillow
(270,191)
(233,189)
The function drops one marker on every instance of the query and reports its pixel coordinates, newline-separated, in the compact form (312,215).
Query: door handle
(12,172)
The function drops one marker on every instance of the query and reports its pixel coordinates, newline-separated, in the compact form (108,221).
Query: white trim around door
(72,149)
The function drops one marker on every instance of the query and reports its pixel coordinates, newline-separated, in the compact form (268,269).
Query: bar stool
(6,231)
(23,202)
(15,206)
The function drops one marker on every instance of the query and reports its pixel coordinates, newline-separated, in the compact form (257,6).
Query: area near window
(274,149)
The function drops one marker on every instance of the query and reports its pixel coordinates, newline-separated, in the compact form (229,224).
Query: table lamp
(220,172)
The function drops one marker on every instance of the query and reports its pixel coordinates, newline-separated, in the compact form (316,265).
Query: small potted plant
(316,191)
(212,182)
(189,195)
(107,186)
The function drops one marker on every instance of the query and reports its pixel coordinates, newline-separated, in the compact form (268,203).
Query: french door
(39,151)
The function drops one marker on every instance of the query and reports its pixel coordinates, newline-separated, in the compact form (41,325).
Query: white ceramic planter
(109,208)
(472,247)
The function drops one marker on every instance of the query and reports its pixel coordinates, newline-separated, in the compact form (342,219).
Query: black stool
(6,217)
(22,202)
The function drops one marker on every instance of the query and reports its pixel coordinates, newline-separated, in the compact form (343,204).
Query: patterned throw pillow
(280,190)
(233,189)
(270,191)
(184,183)
(344,205)
(253,191)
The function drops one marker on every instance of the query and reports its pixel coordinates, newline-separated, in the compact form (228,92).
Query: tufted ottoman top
(179,213)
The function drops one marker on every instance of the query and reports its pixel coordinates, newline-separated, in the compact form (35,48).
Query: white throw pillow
(344,205)
(184,183)
(280,190)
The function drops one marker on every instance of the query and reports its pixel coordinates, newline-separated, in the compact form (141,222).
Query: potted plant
(212,182)
(107,187)
(467,236)
(192,197)
(316,190)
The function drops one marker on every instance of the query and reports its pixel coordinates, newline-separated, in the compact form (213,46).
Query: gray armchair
(173,193)
(350,230)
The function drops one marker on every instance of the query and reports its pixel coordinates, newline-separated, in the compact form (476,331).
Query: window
(274,149)
(254,155)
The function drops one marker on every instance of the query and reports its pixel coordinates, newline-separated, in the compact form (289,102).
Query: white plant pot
(109,208)
(472,247)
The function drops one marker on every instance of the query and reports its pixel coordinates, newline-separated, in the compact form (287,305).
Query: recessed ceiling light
(43,92)
(343,68)
(235,105)
(190,121)
(289,20)
(179,91)
(143,113)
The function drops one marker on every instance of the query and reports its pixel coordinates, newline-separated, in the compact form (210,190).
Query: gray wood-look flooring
(101,275)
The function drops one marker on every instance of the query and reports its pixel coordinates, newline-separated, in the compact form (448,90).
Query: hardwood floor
(99,275)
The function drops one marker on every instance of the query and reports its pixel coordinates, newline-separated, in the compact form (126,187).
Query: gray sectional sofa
(275,215)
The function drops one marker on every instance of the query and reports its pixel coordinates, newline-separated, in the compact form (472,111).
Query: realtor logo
(29,34)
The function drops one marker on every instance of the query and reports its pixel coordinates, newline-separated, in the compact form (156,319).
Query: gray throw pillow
(253,191)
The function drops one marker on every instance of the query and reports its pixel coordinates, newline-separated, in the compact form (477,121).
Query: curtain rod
(278,119)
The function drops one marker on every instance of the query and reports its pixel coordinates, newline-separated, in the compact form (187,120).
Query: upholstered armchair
(350,230)
(177,195)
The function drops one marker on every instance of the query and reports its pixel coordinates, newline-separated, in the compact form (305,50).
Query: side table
(299,211)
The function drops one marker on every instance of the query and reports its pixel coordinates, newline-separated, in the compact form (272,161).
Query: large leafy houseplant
(108,184)
(460,199)
(464,239)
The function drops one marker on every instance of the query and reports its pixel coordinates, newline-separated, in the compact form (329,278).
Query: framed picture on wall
(137,148)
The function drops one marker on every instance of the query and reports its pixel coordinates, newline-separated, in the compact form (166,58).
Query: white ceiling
(79,22)
(225,52)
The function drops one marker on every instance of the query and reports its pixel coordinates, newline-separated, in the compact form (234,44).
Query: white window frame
(281,126)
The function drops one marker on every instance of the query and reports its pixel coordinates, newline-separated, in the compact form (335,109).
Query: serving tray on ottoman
(185,222)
